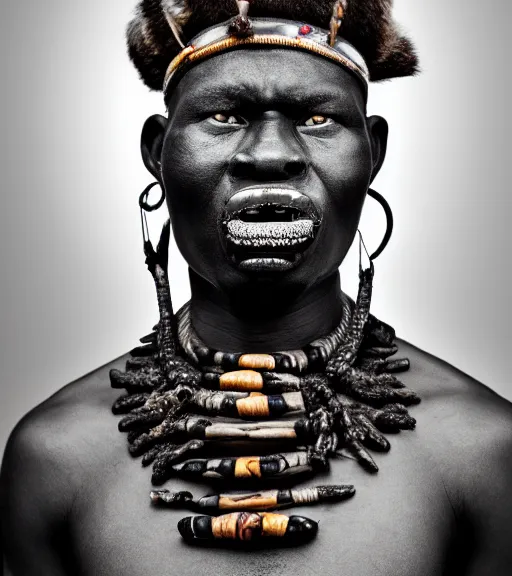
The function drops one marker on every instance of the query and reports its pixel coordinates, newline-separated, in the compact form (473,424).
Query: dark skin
(271,143)
(74,502)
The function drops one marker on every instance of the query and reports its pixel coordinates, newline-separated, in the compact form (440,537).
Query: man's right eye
(225,119)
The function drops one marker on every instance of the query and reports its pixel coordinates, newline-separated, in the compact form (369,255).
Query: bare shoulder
(54,450)
(56,427)
(51,445)
(467,428)
(464,432)
(452,397)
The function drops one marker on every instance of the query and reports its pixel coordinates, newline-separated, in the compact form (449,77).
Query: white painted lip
(270,234)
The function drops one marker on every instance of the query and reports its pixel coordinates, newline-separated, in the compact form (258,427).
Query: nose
(269,152)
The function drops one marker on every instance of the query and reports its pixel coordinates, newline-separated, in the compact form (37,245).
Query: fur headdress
(154,35)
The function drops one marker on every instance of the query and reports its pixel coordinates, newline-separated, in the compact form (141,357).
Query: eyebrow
(225,95)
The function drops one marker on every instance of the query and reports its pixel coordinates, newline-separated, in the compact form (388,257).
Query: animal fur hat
(367,24)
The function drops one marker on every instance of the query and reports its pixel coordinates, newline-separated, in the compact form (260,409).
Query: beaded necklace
(339,394)
(313,357)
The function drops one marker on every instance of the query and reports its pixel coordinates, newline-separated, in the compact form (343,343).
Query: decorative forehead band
(242,32)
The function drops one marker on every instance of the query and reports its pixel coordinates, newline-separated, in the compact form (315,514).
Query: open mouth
(269,229)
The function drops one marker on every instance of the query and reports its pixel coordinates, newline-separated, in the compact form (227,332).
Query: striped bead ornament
(247,526)
(253,501)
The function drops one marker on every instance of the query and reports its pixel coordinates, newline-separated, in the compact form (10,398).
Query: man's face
(266,160)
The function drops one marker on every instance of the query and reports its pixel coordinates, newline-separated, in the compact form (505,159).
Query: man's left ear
(378,132)
(151,143)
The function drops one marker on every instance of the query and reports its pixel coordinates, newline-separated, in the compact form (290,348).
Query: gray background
(74,290)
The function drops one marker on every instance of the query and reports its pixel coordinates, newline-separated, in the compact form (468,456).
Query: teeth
(269,213)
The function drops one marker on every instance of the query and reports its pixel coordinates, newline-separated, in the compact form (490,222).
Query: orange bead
(274,525)
(254,406)
(241,381)
(225,526)
(257,361)
(251,502)
(248,467)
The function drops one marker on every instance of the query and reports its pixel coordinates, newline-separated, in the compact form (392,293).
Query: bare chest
(398,523)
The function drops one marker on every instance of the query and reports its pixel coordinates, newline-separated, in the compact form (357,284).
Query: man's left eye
(225,119)
(317,120)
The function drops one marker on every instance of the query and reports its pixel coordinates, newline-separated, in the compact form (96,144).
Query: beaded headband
(161,29)
(242,32)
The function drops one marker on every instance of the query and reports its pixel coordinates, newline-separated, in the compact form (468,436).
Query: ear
(151,143)
(378,132)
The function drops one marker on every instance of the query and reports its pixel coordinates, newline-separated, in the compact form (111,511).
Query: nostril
(268,166)
(242,166)
(295,168)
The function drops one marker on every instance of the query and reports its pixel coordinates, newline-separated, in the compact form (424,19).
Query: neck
(271,326)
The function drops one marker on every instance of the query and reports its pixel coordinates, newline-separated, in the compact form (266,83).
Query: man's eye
(225,119)
(317,120)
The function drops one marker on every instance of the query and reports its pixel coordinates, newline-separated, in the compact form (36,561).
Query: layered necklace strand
(337,395)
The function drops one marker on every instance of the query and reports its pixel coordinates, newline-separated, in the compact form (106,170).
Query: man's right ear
(151,143)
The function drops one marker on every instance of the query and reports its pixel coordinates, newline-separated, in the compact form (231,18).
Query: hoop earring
(143,199)
(389,223)
(146,207)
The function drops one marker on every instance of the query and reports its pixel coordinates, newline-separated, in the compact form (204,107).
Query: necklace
(313,357)
(339,394)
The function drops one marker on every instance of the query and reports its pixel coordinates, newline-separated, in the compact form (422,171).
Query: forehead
(270,76)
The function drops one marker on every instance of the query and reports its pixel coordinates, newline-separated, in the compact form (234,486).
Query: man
(265,136)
